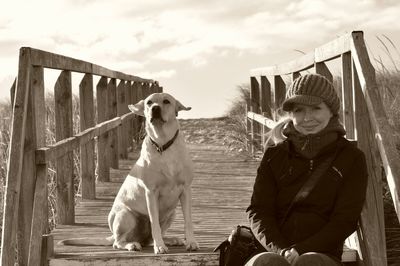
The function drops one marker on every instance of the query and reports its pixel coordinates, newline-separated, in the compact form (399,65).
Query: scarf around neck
(310,145)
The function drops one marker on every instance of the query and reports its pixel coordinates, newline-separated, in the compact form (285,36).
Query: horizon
(200,52)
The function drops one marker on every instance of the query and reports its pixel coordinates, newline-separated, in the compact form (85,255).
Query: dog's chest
(172,171)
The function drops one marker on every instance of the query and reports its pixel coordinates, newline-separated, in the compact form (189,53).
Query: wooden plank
(15,160)
(87,150)
(305,62)
(64,165)
(112,112)
(333,49)
(183,259)
(265,121)
(121,96)
(323,53)
(102,140)
(373,246)
(60,148)
(56,61)
(347,96)
(384,133)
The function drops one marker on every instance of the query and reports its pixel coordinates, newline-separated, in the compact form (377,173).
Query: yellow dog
(144,207)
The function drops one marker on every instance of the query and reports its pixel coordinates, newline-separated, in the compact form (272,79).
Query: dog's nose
(156,111)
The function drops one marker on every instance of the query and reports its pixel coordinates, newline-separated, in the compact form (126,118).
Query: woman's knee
(267,259)
(317,259)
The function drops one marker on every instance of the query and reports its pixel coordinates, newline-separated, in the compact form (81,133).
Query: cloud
(167,39)
(165,74)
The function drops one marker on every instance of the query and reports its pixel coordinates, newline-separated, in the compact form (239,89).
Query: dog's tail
(88,241)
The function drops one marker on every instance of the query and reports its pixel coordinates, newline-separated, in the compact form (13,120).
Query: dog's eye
(166,101)
(149,102)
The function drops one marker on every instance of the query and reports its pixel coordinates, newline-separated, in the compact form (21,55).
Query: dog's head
(158,108)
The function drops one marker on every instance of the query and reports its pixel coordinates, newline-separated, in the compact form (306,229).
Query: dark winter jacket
(322,221)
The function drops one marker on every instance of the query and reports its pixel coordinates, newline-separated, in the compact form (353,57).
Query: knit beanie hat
(312,89)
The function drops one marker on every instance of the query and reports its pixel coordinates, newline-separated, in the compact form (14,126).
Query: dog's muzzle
(156,114)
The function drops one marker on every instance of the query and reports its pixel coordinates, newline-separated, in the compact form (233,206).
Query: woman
(313,231)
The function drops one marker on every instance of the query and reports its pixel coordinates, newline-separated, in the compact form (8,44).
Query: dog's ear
(180,107)
(138,108)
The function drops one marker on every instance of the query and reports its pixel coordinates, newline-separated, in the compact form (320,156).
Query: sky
(200,51)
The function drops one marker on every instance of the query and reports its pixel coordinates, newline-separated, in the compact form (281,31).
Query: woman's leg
(316,259)
(267,259)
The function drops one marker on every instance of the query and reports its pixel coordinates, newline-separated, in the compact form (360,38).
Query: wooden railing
(362,114)
(25,209)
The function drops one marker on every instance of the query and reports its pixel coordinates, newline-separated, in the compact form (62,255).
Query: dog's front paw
(191,245)
(133,246)
(160,248)
(173,241)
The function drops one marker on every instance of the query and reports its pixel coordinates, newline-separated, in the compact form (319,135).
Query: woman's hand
(291,255)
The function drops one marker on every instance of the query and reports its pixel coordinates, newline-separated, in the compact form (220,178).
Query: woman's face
(310,119)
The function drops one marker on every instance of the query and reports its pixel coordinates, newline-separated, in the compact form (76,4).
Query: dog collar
(162,148)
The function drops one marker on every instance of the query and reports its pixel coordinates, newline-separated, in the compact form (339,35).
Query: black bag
(240,246)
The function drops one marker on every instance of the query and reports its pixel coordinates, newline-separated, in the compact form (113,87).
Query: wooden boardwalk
(221,192)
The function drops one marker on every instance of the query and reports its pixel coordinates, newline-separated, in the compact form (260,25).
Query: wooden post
(295,75)
(384,132)
(102,140)
(65,164)
(141,95)
(15,160)
(87,152)
(28,177)
(39,217)
(265,97)
(265,105)
(322,69)
(12,93)
(146,90)
(279,93)
(255,107)
(112,112)
(129,133)
(372,227)
(347,96)
(135,120)
(140,92)
(121,92)
(38,221)
(249,128)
